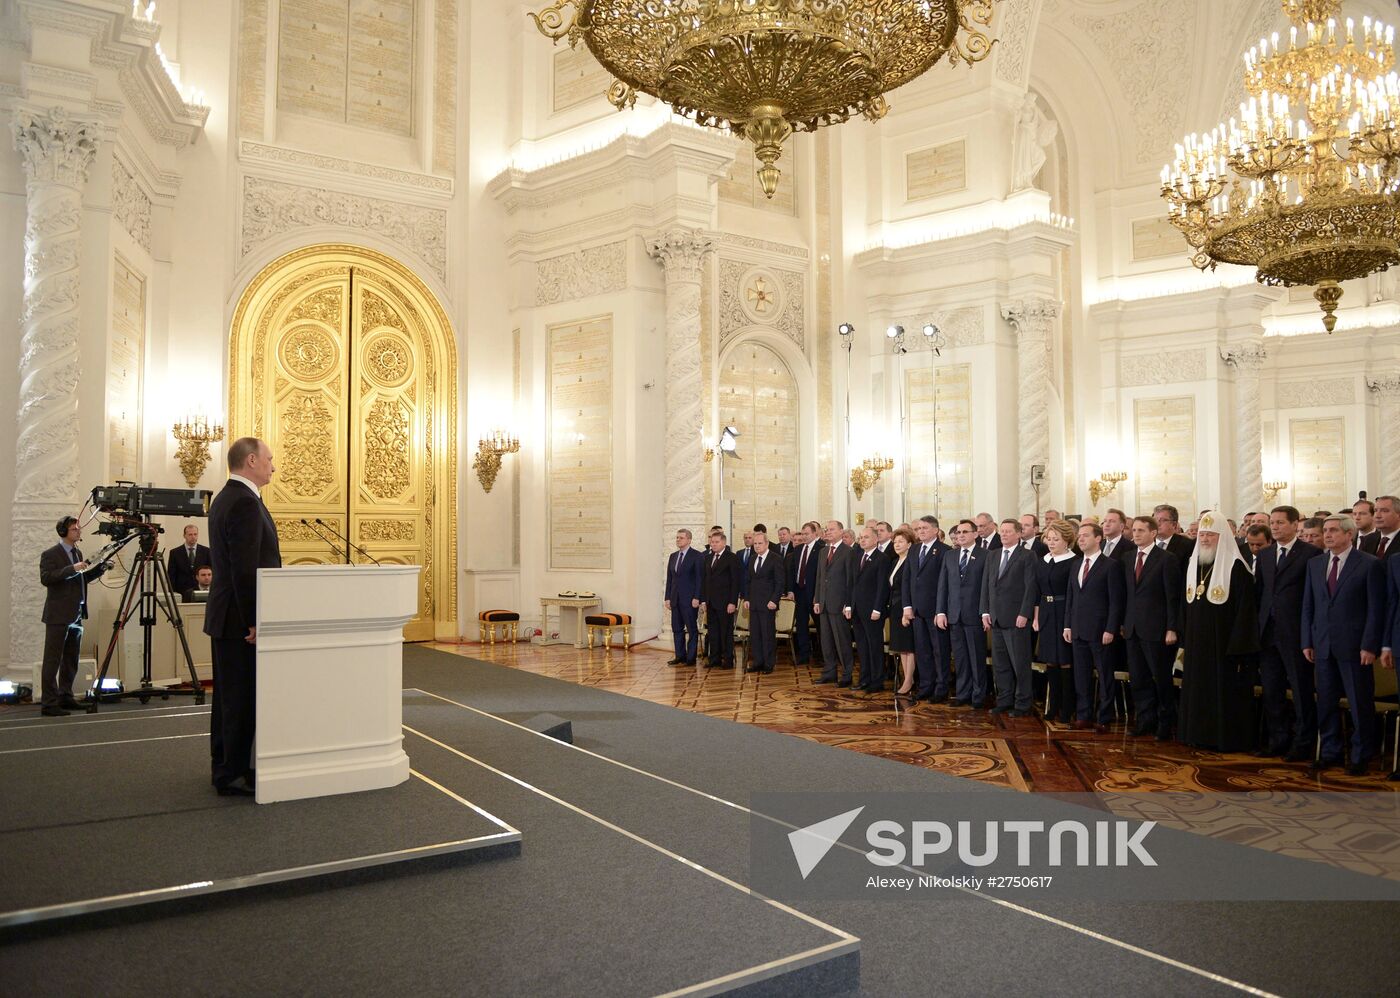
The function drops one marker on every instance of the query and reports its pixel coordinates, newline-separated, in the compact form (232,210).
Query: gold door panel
(345,364)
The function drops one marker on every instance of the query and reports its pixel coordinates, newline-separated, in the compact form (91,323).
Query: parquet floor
(1024,754)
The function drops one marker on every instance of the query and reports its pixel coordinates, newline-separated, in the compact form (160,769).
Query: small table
(581,607)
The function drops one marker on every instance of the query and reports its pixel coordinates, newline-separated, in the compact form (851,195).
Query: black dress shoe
(1358,768)
(1000,710)
(54,712)
(938,698)
(1101,729)
(1143,730)
(955,702)
(844,684)
(69,703)
(1317,767)
(1298,755)
(674,661)
(1394,776)
(691,663)
(1164,735)
(234,790)
(1019,713)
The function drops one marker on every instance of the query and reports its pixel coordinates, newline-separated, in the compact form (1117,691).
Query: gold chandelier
(1313,200)
(767,68)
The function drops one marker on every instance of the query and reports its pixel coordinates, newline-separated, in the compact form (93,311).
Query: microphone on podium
(334,547)
(347,541)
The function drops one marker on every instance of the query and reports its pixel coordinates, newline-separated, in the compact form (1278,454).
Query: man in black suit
(1094,611)
(1030,535)
(1384,541)
(1281,571)
(203,580)
(835,573)
(884,541)
(987,537)
(766,582)
(242,539)
(1117,542)
(959,613)
(684,579)
(931,644)
(802,585)
(785,543)
(1154,590)
(1390,637)
(65,576)
(1006,613)
(1363,511)
(184,561)
(1169,535)
(870,595)
(723,580)
(1344,615)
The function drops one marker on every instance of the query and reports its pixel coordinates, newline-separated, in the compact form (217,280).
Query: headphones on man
(63,525)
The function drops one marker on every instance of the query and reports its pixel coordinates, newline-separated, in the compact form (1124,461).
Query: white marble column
(1034,319)
(57,151)
(1247,358)
(681,252)
(1387,389)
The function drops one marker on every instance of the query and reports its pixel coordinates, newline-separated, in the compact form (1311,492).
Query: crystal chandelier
(1314,153)
(767,68)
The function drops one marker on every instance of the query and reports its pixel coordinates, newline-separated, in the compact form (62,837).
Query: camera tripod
(147,590)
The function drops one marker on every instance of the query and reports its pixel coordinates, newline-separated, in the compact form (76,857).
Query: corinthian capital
(1248,356)
(680,251)
(1031,316)
(56,148)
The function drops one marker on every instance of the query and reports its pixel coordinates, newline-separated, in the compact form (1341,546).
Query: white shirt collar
(240,478)
(1060,557)
(1342,554)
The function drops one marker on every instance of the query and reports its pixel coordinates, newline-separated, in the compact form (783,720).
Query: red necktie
(1084,576)
(1332,576)
(1380,549)
(1137,572)
(830,553)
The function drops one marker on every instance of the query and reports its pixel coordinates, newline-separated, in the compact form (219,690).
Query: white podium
(330,678)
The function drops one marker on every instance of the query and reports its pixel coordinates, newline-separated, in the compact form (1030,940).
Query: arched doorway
(345,363)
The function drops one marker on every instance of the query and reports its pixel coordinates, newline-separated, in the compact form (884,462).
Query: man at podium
(242,539)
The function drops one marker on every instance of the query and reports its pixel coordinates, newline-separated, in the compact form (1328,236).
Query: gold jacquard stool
(605,622)
(507,620)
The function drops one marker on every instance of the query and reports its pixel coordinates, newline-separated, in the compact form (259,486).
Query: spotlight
(729,441)
(930,330)
(14,692)
(846,329)
(935,338)
(111,685)
(894,332)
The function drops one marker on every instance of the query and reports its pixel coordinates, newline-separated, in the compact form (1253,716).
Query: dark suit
(1371,544)
(1152,606)
(1391,638)
(181,570)
(722,584)
(1037,548)
(988,545)
(802,583)
(1123,548)
(1338,626)
(932,648)
(870,593)
(766,583)
(65,609)
(1181,546)
(1281,663)
(242,539)
(1093,608)
(835,574)
(683,586)
(1009,593)
(959,598)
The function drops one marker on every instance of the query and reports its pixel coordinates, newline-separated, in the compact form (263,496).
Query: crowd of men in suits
(1088,599)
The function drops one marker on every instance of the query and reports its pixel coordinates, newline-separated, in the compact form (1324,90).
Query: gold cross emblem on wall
(759,296)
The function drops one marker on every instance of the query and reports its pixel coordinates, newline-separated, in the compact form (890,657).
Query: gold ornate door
(345,364)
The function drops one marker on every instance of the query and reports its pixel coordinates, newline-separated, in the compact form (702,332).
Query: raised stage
(630,879)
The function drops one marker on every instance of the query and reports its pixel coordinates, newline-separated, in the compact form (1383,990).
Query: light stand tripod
(147,590)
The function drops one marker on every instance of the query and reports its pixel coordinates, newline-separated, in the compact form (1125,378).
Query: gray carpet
(107,819)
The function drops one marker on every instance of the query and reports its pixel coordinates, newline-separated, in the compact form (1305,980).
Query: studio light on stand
(895,334)
(935,338)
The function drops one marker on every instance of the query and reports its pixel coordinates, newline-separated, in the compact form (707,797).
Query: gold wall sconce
(489,451)
(1105,485)
(867,473)
(1272,489)
(195,434)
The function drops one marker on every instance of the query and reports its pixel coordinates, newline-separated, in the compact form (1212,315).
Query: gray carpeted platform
(99,818)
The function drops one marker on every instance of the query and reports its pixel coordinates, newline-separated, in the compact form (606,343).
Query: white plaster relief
(583,273)
(131,205)
(1308,394)
(1136,371)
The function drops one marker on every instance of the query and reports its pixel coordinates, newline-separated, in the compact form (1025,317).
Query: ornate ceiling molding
(314,162)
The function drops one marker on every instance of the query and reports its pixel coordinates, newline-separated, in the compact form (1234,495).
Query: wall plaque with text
(580,445)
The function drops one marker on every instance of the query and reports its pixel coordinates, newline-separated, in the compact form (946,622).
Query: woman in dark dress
(901,640)
(1050,585)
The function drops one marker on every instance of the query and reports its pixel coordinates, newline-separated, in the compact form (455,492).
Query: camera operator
(65,574)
